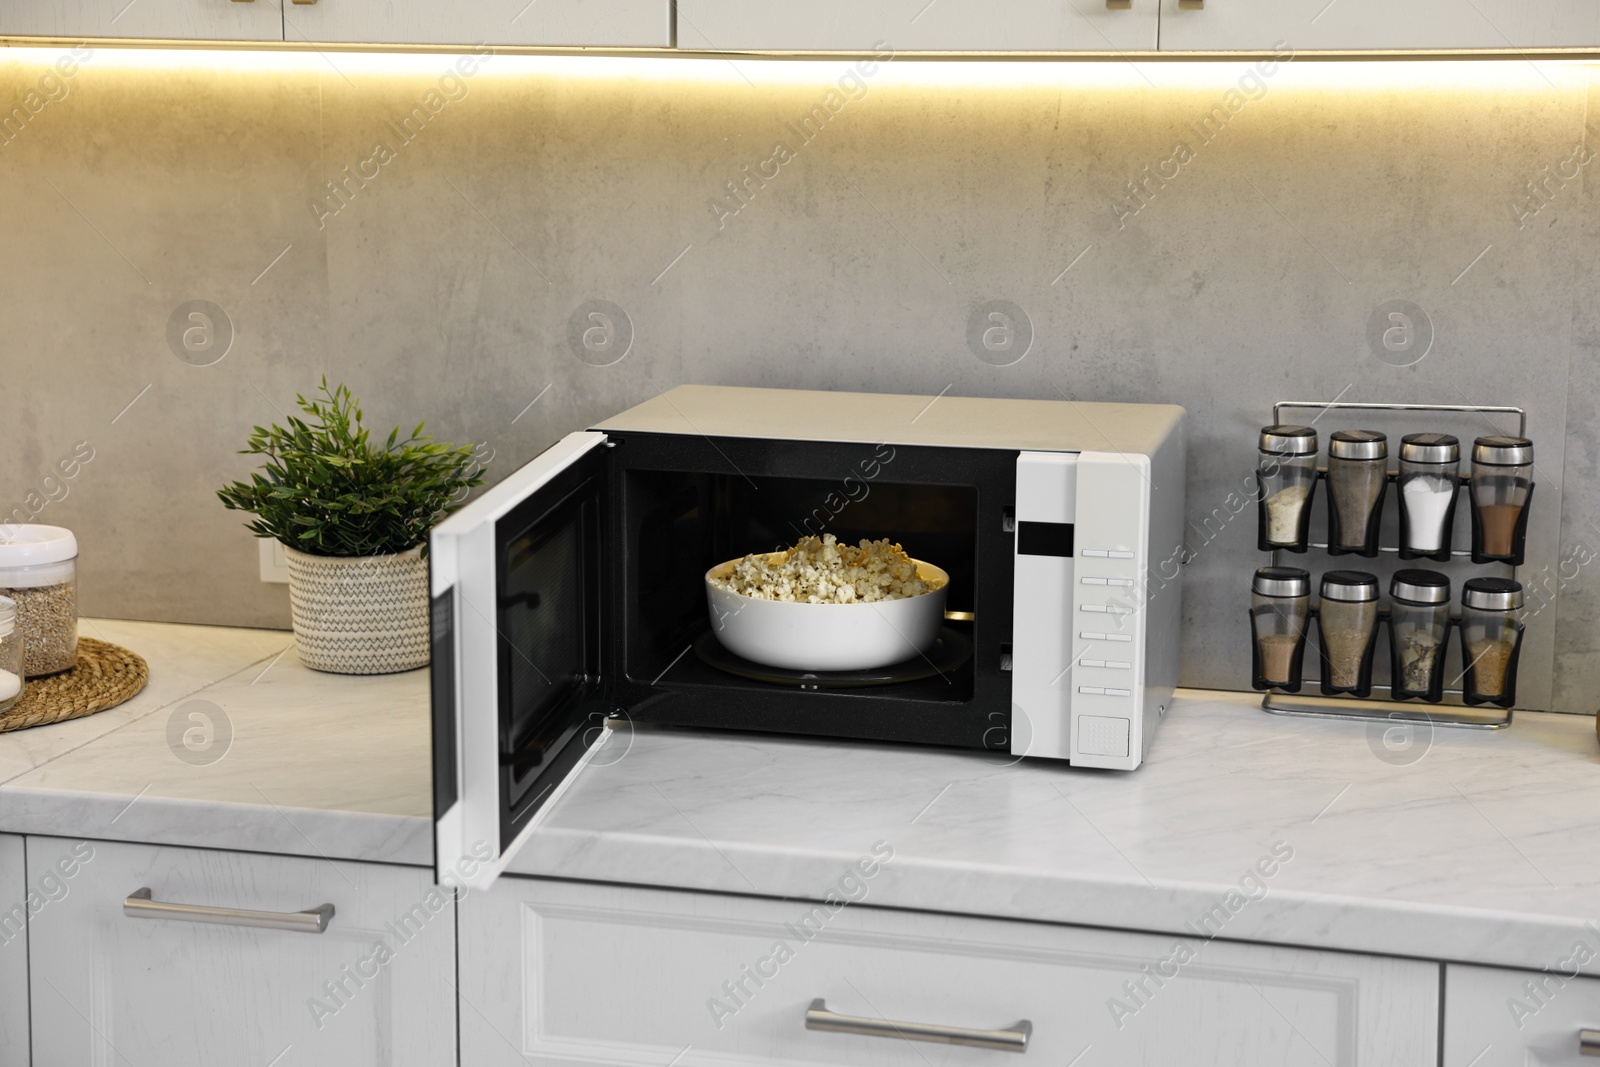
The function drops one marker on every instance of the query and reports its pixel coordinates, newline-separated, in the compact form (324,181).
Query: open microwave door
(518,692)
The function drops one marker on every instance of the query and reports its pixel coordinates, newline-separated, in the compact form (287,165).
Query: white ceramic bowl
(826,637)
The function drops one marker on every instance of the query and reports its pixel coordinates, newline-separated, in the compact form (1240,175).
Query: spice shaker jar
(39,570)
(1347,620)
(1286,480)
(11,678)
(1501,487)
(1280,607)
(1357,476)
(1430,476)
(1419,625)
(1491,640)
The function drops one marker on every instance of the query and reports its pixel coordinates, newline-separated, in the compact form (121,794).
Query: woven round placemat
(105,676)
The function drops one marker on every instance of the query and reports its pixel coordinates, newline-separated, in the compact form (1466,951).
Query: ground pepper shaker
(1491,640)
(1280,608)
(1419,626)
(1347,621)
(1430,477)
(1357,476)
(1501,488)
(1286,479)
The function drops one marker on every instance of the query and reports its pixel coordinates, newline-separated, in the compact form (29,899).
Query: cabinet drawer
(1503,1018)
(615,23)
(110,988)
(917,25)
(204,20)
(558,973)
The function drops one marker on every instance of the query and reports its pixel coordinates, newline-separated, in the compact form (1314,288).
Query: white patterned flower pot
(359,614)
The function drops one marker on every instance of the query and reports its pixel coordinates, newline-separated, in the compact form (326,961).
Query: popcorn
(826,572)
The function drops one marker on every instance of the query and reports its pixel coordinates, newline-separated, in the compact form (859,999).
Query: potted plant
(353,517)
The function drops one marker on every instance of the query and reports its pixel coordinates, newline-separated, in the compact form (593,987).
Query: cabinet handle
(1013,1039)
(303,1)
(139,905)
(1589,1042)
(1184,5)
(1118,5)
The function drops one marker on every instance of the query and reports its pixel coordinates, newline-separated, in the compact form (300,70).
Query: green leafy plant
(327,490)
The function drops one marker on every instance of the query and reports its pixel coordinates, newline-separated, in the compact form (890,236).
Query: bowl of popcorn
(826,606)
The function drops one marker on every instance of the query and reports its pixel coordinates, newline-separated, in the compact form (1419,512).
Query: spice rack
(1452,710)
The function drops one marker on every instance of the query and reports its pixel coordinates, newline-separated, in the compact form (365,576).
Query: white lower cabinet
(1504,1018)
(13,953)
(106,988)
(562,973)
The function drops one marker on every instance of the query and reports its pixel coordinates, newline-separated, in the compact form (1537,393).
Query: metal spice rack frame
(1453,710)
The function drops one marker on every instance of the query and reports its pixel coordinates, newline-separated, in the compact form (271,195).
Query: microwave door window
(549,667)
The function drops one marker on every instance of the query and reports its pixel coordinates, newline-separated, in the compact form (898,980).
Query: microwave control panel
(1078,628)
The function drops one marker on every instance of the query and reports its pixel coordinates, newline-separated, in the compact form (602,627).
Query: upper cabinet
(1416,25)
(203,20)
(614,23)
(918,25)
(974,26)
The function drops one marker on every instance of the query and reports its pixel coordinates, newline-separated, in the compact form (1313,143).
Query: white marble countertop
(1470,846)
(284,759)
(1476,846)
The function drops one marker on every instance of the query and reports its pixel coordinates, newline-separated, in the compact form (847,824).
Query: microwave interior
(602,605)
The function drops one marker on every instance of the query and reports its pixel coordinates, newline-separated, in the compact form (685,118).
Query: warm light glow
(1310,71)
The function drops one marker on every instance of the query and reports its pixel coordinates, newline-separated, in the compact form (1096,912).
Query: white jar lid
(28,545)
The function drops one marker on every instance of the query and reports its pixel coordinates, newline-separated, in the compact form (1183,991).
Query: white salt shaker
(11,681)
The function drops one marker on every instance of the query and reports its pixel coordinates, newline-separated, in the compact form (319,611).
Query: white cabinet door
(917,25)
(1311,25)
(13,952)
(375,988)
(491,22)
(1502,1018)
(561,973)
(208,20)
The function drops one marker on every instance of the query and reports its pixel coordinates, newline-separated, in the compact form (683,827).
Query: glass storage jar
(1419,627)
(39,570)
(1491,640)
(1501,486)
(1357,476)
(1286,480)
(1280,607)
(1429,480)
(1347,621)
(11,677)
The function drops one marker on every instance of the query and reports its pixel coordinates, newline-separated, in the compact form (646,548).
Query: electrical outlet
(274,567)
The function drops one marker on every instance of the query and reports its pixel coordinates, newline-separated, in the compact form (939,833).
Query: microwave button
(1092,662)
(1119,692)
(1115,581)
(1093,690)
(1119,664)
(1098,553)
(1089,635)
(1120,554)
(1094,581)
(1118,637)
(1101,608)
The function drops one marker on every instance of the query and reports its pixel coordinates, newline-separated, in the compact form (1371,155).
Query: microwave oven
(569,597)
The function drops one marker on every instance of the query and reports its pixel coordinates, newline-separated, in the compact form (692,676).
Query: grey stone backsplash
(437,244)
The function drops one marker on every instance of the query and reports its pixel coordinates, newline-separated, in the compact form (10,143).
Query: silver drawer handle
(1192,5)
(140,906)
(1589,1042)
(1013,1039)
